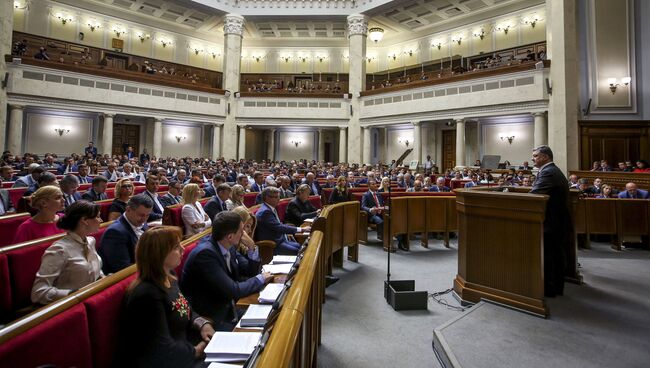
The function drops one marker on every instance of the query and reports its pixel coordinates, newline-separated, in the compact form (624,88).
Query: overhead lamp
(61,131)
(613,83)
(179,138)
(296,141)
(376,34)
(507,136)
(479,33)
(93,25)
(532,20)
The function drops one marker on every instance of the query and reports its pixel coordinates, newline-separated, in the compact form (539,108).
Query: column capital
(108,115)
(357,25)
(16,107)
(218,125)
(342,128)
(233,24)
(539,113)
(241,126)
(157,119)
(416,123)
(459,120)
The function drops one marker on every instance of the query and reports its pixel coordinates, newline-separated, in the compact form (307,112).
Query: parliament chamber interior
(324,183)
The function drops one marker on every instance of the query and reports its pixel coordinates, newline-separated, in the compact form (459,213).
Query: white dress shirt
(192,214)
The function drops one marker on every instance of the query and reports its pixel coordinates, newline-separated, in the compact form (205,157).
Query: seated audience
(157,317)
(642,166)
(314,187)
(473,183)
(71,262)
(606,192)
(300,208)
(246,243)
(417,187)
(440,186)
(34,171)
(173,195)
(218,202)
(46,178)
(631,191)
(111,173)
(340,193)
(194,217)
(69,185)
(596,187)
(236,198)
(269,226)
(67,167)
(215,275)
(152,184)
(123,191)
(373,204)
(211,190)
(118,242)
(48,201)
(83,174)
(573,181)
(6,206)
(98,190)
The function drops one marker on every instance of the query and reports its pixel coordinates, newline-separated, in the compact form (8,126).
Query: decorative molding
(357,25)
(233,24)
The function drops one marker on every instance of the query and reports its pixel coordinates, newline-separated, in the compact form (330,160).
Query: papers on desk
(277,269)
(270,293)
(309,221)
(256,315)
(223,365)
(231,346)
(283,259)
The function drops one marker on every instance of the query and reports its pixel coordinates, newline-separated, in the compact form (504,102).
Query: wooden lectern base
(474,293)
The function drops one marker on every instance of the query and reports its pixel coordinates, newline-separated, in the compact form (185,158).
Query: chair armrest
(266,248)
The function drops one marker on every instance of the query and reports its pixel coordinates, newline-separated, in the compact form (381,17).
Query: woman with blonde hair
(385,184)
(246,243)
(340,193)
(157,316)
(123,191)
(71,262)
(48,200)
(236,197)
(194,217)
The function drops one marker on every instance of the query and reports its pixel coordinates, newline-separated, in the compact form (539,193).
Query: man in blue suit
(258,182)
(373,204)
(632,192)
(117,247)
(67,167)
(314,187)
(215,275)
(218,202)
(91,149)
(152,184)
(269,226)
(69,185)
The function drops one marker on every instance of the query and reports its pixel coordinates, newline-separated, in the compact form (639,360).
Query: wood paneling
(125,135)
(613,141)
(448,149)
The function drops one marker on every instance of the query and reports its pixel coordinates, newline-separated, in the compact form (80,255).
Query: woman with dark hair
(340,193)
(641,166)
(157,316)
(71,262)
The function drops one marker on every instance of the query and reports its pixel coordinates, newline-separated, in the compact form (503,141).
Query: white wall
(396,149)
(288,151)
(517,152)
(191,146)
(40,136)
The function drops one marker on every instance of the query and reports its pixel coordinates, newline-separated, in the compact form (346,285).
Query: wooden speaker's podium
(500,248)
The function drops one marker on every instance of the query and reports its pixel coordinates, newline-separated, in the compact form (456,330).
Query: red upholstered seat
(5,290)
(175,215)
(8,226)
(16,194)
(84,187)
(186,253)
(7,184)
(282,208)
(249,199)
(162,188)
(315,200)
(103,310)
(98,235)
(62,341)
(139,189)
(458,183)
(104,206)
(110,193)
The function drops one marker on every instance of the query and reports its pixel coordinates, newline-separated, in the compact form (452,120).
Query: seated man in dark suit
(69,185)
(373,204)
(98,191)
(90,149)
(117,247)
(83,174)
(269,226)
(152,184)
(67,167)
(215,275)
(211,190)
(6,206)
(440,186)
(218,203)
(314,187)
(173,195)
(46,178)
(300,208)
(631,191)
(258,182)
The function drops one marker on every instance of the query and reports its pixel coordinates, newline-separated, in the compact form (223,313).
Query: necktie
(227,257)
(376,199)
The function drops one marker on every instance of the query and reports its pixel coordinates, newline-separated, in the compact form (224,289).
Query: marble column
(357,33)
(157,137)
(15,138)
(242,142)
(367,145)
(561,49)
(233,30)
(541,129)
(6,28)
(460,142)
(216,141)
(343,149)
(417,141)
(107,135)
(321,145)
(271,149)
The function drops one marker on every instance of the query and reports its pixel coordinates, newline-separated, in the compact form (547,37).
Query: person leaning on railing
(71,262)
(157,317)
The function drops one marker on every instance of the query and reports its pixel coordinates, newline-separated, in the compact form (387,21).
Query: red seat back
(175,215)
(8,226)
(61,341)
(104,206)
(84,187)
(458,183)
(7,184)
(5,290)
(110,193)
(249,199)
(15,194)
(98,235)
(186,253)
(282,208)
(139,189)
(315,200)
(103,310)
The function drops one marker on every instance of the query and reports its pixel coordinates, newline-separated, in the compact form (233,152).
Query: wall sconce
(61,131)
(214,54)
(303,58)
(165,42)
(393,56)
(437,44)
(613,83)
(532,20)
(503,27)
(479,33)
(376,34)
(458,39)
(285,58)
(143,36)
(409,53)
(179,138)
(93,25)
(63,17)
(119,30)
(404,140)
(296,142)
(369,59)
(21,6)
(321,58)
(257,58)
(507,136)
(197,51)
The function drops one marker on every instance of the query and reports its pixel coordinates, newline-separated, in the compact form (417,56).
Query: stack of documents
(231,346)
(256,315)
(270,293)
(223,365)
(284,259)
(277,269)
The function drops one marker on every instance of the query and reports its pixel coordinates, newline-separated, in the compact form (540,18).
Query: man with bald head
(631,192)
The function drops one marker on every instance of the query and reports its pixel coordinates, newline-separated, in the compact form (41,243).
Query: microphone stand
(390,248)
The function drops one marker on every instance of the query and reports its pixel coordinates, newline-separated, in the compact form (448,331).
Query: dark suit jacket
(339,196)
(6,201)
(169,200)
(552,182)
(76,195)
(61,169)
(156,214)
(368,201)
(210,287)
(85,179)
(117,247)
(269,227)
(209,191)
(92,196)
(435,188)
(298,212)
(91,150)
(214,206)
(640,194)
(257,187)
(318,188)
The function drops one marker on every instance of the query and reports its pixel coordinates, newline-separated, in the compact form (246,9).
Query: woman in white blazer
(194,217)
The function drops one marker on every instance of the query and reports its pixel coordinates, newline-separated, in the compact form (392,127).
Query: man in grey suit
(173,195)
(6,207)
(557,223)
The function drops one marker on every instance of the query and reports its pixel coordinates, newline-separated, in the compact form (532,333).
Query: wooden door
(116,61)
(125,135)
(328,150)
(448,149)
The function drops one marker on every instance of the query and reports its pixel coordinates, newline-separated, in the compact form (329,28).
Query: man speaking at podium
(552,182)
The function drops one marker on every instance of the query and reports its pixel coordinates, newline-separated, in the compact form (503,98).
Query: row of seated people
(640,166)
(599,189)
